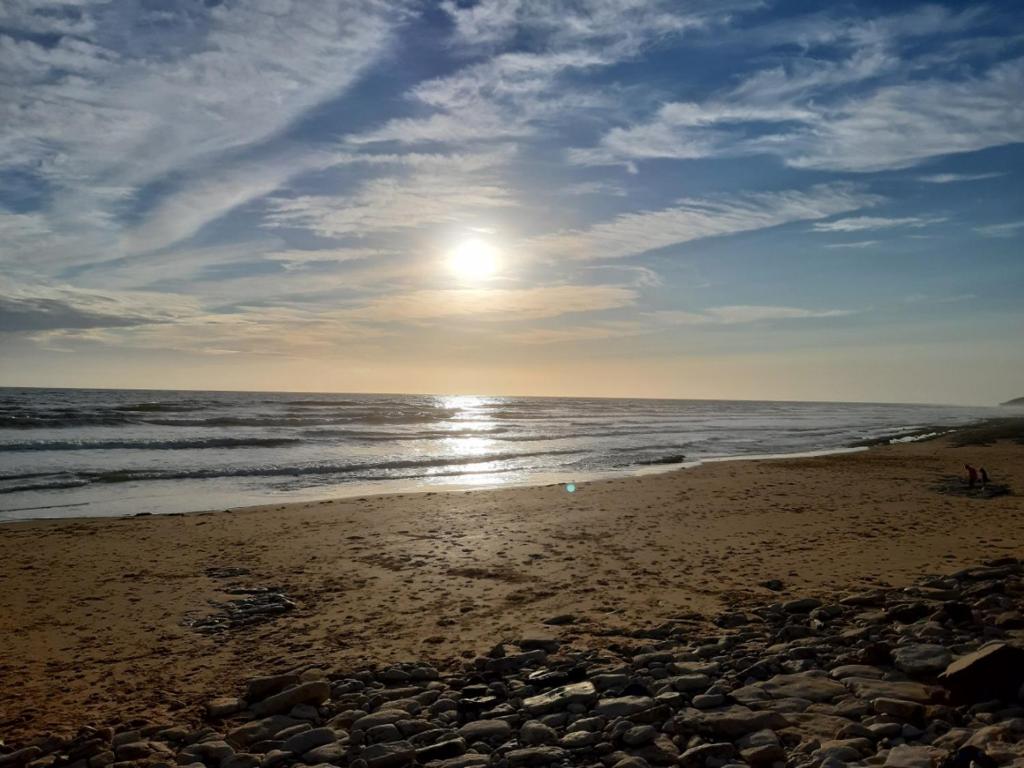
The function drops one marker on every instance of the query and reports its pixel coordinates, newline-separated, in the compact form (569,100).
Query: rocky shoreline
(924,676)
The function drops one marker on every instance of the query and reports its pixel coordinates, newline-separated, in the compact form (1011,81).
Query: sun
(473,260)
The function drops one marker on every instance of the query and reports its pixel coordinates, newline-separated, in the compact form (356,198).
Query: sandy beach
(95,614)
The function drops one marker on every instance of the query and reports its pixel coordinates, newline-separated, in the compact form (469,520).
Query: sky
(694,198)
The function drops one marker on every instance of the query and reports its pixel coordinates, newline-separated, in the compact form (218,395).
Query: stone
(690,683)
(209,751)
(921,659)
(898,708)
(623,706)
(133,750)
(529,756)
(813,685)
(392,755)
(867,688)
(532,642)
(332,753)
(717,753)
(259,730)
(708,700)
(223,707)
(856,670)
(533,734)
(560,698)
(485,730)
(441,750)
(906,756)
(314,692)
(801,605)
(241,760)
(995,671)
(761,747)
(301,743)
(579,740)
(661,751)
(259,688)
(640,734)
(729,722)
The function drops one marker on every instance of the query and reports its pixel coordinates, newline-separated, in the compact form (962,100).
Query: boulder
(995,671)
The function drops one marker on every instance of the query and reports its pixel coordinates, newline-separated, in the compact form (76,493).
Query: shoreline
(541,479)
(104,615)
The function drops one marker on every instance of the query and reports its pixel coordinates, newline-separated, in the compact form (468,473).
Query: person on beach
(972,475)
(984,477)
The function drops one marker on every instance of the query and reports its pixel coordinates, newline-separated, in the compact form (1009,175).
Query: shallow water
(68,453)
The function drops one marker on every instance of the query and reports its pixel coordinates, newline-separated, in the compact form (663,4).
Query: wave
(79,478)
(151,445)
(64,419)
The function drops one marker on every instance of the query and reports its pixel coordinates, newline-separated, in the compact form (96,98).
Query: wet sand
(94,612)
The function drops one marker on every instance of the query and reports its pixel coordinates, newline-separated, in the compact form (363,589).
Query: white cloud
(857,244)
(1008,229)
(862,223)
(432,189)
(505,304)
(692,219)
(742,314)
(950,178)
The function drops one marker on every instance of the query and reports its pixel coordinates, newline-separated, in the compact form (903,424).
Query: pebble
(888,678)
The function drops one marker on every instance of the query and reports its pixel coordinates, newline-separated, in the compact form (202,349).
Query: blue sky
(694,199)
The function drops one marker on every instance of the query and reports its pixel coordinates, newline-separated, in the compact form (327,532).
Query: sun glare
(473,260)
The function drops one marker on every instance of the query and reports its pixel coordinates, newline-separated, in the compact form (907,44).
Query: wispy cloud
(862,223)
(857,244)
(1007,229)
(691,219)
(952,178)
(742,314)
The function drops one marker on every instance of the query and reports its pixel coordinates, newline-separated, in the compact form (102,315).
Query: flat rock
(392,755)
(560,698)
(906,756)
(921,659)
(729,722)
(536,756)
(814,685)
(314,692)
(867,688)
(260,730)
(623,706)
(995,671)
(485,730)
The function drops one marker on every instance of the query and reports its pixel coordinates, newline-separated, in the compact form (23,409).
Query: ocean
(76,452)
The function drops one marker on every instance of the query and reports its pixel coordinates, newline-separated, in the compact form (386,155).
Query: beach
(99,616)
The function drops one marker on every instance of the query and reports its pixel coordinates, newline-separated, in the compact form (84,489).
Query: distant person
(972,475)
(984,477)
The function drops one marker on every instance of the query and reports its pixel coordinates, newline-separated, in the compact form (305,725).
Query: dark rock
(995,671)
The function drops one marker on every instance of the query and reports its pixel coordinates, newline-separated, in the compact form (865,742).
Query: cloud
(631,234)
(119,99)
(857,244)
(742,314)
(862,223)
(950,178)
(45,308)
(847,94)
(431,189)
(1008,229)
(505,304)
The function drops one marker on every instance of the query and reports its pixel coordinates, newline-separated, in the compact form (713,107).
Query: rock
(623,706)
(561,620)
(717,753)
(905,756)
(534,734)
(241,760)
(223,707)
(209,751)
(20,757)
(814,685)
(259,730)
(485,730)
(332,753)
(578,740)
(898,708)
(301,743)
(547,643)
(133,750)
(536,756)
(689,683)
(661,751)
(995,671)
(761,747)
(857,670)
(315,692)
(708,700)
(383,717)
(801,605)
(560,698)
(921,659)
(640,734)
(730,722)
(442,750)
(259,688)
(392,755)
(867,688)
